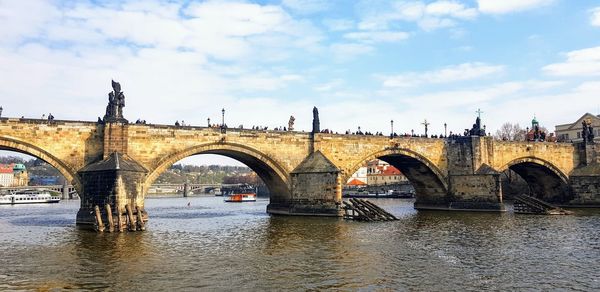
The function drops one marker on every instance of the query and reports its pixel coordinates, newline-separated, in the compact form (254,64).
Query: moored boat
(30,197)
(249,197)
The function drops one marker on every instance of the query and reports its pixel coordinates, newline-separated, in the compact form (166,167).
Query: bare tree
(510,132)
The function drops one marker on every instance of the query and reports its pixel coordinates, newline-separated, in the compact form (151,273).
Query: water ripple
(210,245)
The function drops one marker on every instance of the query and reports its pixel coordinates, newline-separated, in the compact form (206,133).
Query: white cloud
(346,51)
(461,72)
(377,36)
(435,15)
(500,102)
(432,23)
(339,24)
(165,62)
(508,6)
(595,19)
(585,62)
(307,6)
(450,8)
(19,19)
(324,87)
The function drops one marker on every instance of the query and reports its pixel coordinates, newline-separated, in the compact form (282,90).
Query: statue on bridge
(477,130)
(116,102)
(291,123)
(588,131)
(316,128)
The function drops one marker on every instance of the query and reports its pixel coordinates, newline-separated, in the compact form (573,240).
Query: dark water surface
(212,245)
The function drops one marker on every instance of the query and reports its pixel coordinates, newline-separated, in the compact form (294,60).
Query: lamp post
(445,130)
(392,124)
(208,122)
(223,117)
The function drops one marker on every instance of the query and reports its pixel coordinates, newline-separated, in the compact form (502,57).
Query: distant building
(572,132)
(6,175)
(537,133)
(13,175)
(354,182)
(21,177)
(359,177)
(381,173)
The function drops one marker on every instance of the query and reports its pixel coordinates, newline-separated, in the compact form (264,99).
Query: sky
(362,63)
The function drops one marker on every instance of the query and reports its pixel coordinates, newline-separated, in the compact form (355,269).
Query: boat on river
(238,198)
(30,197)
(388,194)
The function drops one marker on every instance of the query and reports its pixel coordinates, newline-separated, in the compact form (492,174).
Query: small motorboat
(249,197)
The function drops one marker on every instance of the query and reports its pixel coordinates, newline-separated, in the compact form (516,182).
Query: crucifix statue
(479,112)
(426,124)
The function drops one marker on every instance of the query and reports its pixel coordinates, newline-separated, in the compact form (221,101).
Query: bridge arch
(427,179)
(270,171)
(12,144)
(545,180)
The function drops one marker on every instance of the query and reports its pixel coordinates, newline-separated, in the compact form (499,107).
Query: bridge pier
(316,190)
(117,180)
(65,190)
(585,180)
(186,190)
(473,185)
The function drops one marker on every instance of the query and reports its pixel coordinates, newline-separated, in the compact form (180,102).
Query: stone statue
(116,102)
(316,124)
(584,132)
(291,123)
(477,130)
(587,132)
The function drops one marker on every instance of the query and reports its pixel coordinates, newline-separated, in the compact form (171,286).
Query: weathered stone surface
(117,180)
(315,189)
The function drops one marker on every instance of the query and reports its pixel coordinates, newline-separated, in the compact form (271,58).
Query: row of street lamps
(222,118)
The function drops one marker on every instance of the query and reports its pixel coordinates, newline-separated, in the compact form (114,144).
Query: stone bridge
(117,162)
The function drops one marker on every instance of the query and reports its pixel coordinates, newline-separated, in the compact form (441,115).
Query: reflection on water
(212,245)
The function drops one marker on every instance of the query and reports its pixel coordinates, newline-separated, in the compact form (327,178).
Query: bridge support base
(117,181)
(316,190)
(476,192)
(305,208)
(585,188)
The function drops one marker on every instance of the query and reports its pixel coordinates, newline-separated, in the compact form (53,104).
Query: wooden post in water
(111,223)
(140,219)
(120,218)
(99,224)
(131,224)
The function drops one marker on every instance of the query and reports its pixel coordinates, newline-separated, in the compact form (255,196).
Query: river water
(211,245)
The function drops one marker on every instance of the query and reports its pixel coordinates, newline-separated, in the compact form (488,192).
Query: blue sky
(363,63)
